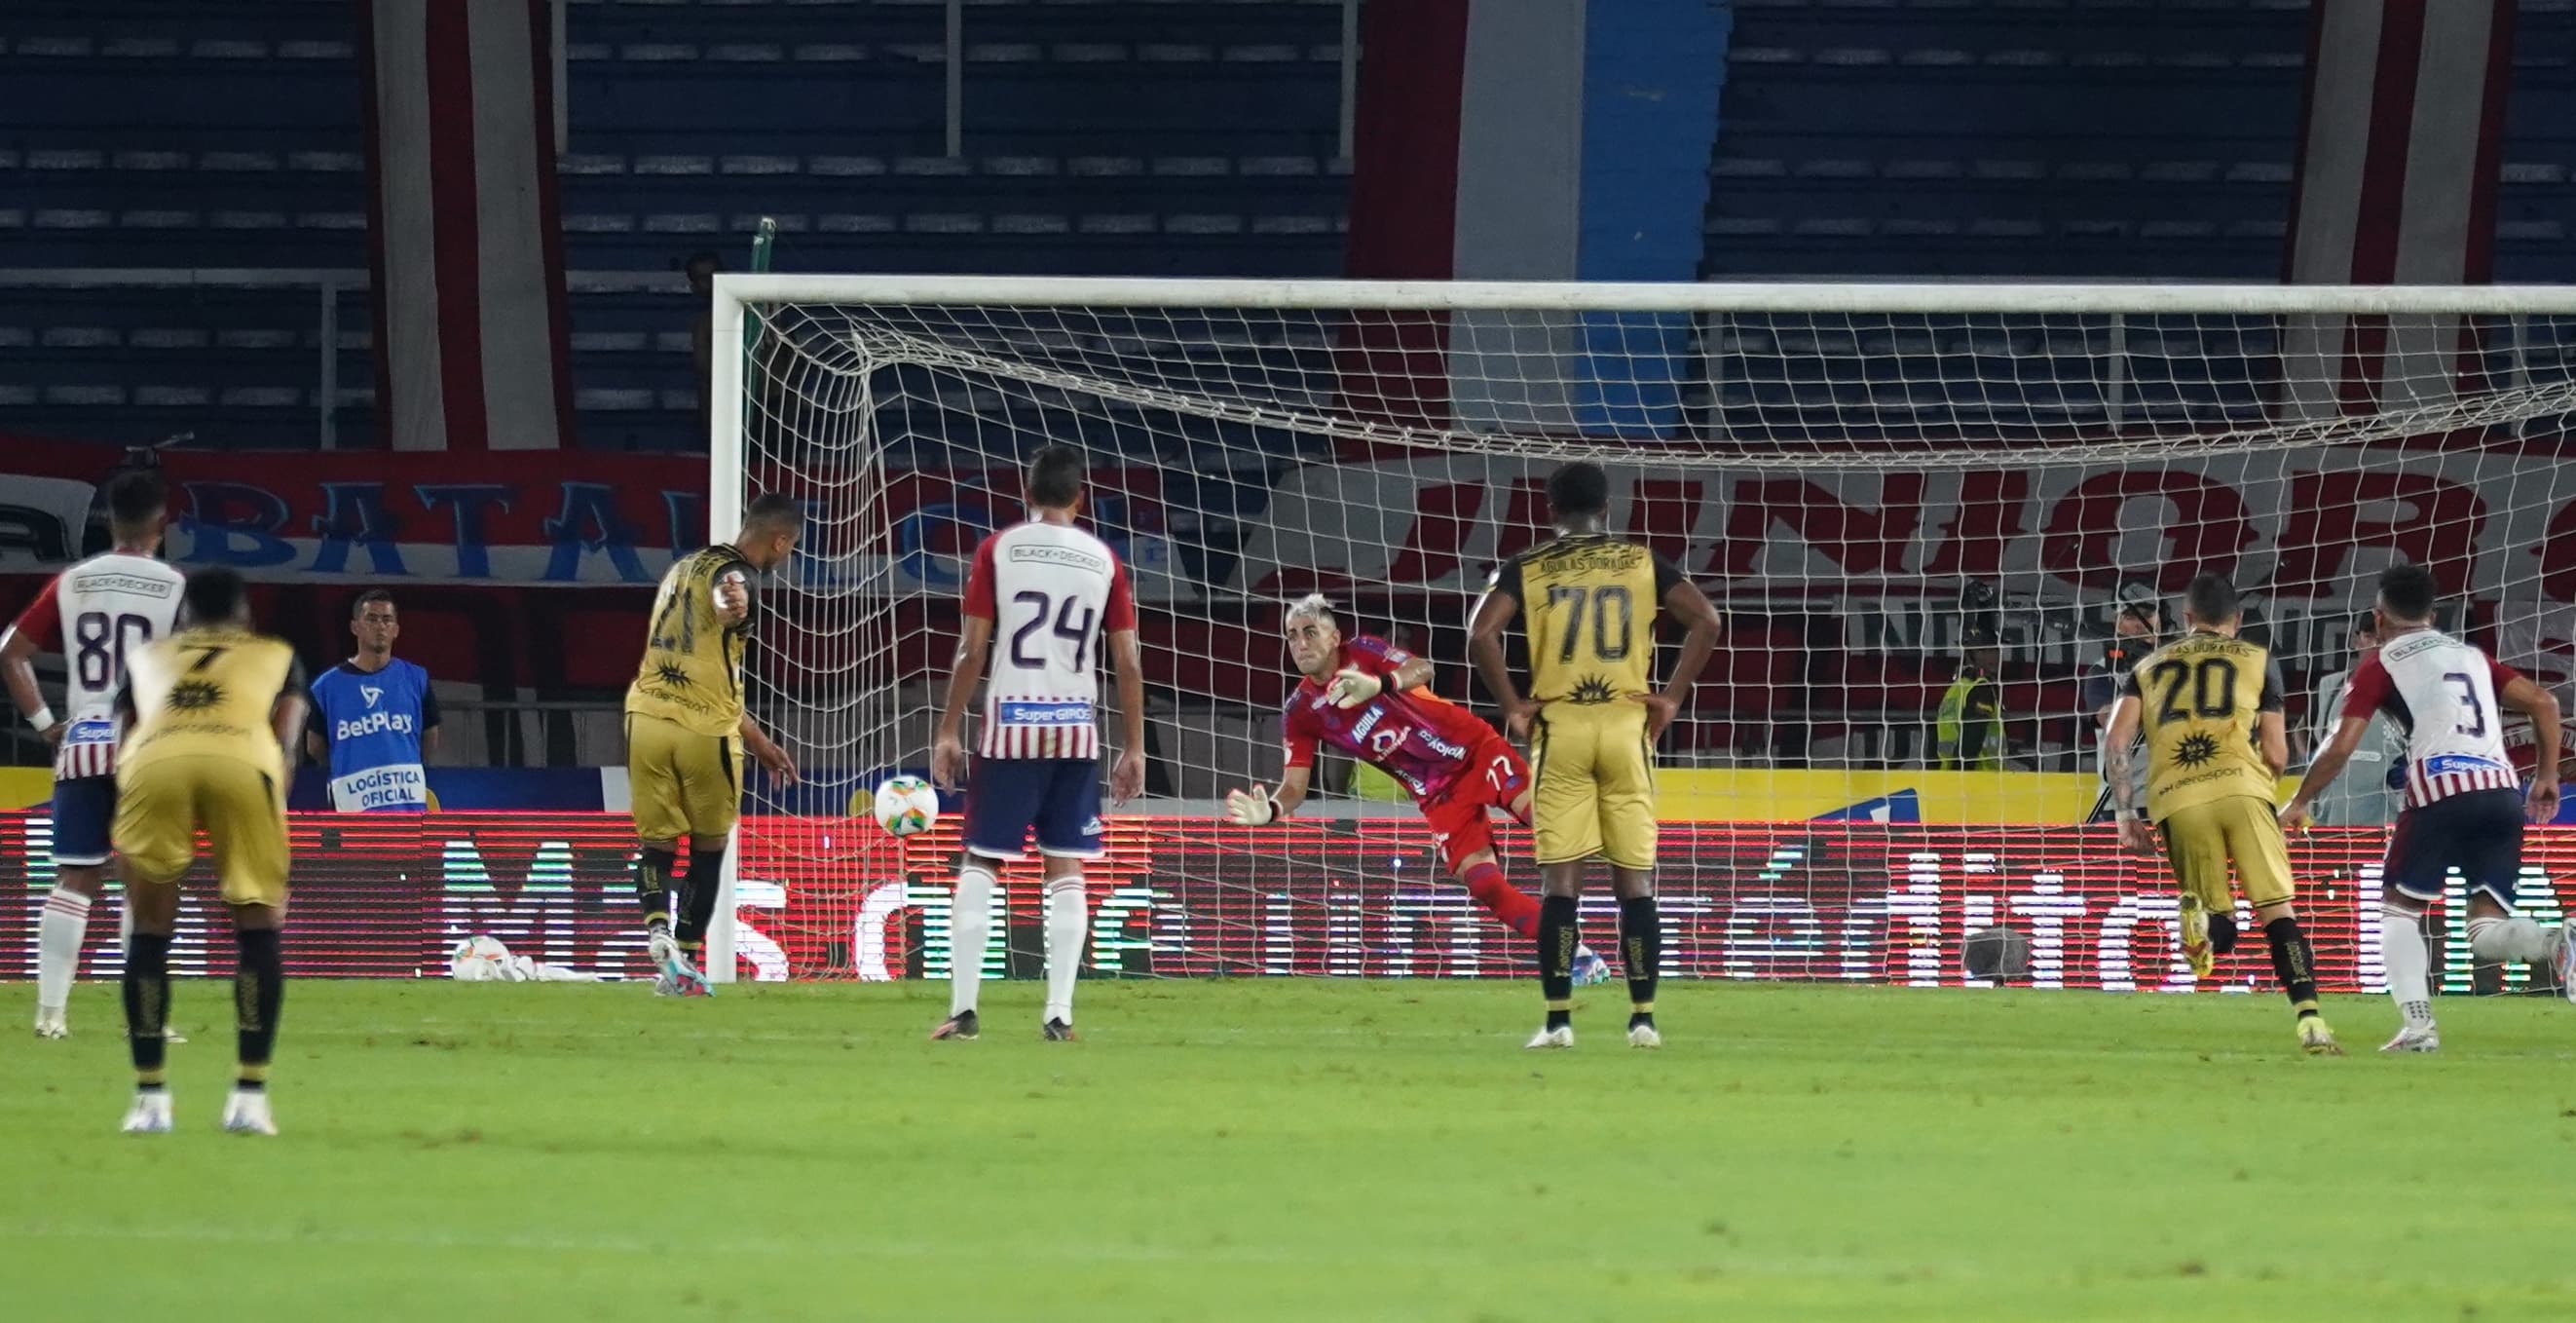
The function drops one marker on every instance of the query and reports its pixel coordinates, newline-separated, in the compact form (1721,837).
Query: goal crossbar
(1863,298)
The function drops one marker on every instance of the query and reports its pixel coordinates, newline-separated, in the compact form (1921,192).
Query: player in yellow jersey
(686,730)
(2210,705)
(208,714)
(1592,716)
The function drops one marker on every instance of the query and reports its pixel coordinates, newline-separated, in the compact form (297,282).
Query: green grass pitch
(1297,1149)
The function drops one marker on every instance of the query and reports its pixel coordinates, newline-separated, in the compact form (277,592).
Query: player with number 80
(101,611)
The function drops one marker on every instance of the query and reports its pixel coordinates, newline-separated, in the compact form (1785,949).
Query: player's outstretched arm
(1494,614)
(2321,773)
(1127,775)
(2529,699)
(948,752)
(1686,603)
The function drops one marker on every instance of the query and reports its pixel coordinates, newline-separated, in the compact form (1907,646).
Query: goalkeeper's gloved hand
(1252,808)
(1352,686)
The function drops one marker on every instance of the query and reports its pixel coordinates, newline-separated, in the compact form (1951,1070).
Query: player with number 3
(2464,809)
(101,610)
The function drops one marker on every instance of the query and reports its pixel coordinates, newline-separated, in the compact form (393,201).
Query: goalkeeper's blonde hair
(1312,606)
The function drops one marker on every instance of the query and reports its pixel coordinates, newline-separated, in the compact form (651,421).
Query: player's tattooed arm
(948,752)
(2117,772)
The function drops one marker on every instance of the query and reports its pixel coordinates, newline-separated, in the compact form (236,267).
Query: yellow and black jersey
(212,691)
(1591,601)
(691,675)
(2200,699)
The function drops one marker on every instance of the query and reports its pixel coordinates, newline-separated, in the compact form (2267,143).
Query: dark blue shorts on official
(2478,833)
(84,810)
(1058,798)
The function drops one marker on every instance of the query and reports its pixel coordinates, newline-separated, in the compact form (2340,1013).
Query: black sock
(147,1004)
(2295,962)
(1641,946)
(2222,932)
(259,987)
(653,887)
(698,896)
(1559,921)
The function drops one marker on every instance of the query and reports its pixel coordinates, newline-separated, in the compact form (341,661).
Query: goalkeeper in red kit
(1372,700)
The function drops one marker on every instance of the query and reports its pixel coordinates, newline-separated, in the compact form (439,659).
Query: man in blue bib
(374,718)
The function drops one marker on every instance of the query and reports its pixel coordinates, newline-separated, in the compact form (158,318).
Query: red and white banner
(2400,145)
(464,227)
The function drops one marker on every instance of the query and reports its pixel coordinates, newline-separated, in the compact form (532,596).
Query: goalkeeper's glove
(1252,808)
(1352,686)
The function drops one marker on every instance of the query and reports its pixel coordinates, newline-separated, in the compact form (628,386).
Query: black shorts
(2479,833)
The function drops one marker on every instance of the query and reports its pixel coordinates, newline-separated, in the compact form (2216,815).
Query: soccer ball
(907,806)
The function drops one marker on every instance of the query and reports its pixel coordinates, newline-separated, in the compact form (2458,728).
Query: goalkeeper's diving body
(686,730)
(1373,701)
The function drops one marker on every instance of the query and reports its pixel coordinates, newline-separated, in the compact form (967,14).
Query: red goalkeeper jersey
(1427,743)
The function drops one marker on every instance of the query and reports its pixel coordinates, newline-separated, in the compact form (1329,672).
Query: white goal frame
(733,292)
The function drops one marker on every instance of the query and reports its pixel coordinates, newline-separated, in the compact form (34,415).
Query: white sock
(58,946)
(2518,940)
(970,923)
(2402,945)
(1068,926)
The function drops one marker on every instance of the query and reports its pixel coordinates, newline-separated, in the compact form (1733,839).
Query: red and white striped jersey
(2442,693)
(98,613)
(1052,592)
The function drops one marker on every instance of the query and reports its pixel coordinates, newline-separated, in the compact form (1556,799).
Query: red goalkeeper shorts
(1494,777)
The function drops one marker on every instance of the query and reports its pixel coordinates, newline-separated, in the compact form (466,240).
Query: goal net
(1937,518)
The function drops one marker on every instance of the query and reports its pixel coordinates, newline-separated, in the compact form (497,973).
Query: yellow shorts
(2204,839)
(1596,785)
(682,783)
(161,804)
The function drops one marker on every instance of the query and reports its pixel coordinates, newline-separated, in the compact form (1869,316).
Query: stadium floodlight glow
(1838,464)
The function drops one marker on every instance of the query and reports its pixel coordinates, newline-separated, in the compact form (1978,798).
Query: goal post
(1882,484)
